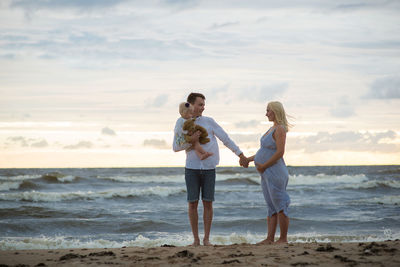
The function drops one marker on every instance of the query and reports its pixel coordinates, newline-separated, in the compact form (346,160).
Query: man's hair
(192,97)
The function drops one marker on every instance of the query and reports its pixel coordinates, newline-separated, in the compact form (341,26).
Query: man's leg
(207,219)
(208,190)
(192,179)
(194,222)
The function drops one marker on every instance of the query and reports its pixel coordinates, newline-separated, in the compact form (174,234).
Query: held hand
(260,167)
(243,161)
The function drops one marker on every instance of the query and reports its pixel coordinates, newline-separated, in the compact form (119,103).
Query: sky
(97,83)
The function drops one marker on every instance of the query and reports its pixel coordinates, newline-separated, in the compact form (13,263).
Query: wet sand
(385,253)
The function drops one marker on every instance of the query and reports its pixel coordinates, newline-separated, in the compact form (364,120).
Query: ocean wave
(245,181)
(31,212)
(181,239)
(7,186)
(392,171)
(385,200)
(56,177)
(308,237)
(180,178)
(144,178)
(36,196)
(229,171)
(326,179)
(144,226)
(20,177)
(372,184)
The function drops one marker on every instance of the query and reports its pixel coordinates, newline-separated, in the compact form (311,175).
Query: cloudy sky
(97,83)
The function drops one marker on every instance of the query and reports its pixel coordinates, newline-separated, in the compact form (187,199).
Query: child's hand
(195,137)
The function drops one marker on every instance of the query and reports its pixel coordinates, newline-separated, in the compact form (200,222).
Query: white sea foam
(324,238)
(183,239)
(6,186)
(20,177)
(66,179)
(145,179)
(326,179)
(371,184)
(37,196)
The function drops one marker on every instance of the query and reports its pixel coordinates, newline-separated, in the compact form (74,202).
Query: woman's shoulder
(280,129)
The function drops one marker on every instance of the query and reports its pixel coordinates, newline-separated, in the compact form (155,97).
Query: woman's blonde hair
(280,114)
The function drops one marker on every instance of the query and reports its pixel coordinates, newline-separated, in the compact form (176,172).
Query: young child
(186,111)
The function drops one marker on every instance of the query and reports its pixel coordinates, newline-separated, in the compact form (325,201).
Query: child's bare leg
(201,153)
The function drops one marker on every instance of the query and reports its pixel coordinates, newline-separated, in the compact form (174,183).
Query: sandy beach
(385,253)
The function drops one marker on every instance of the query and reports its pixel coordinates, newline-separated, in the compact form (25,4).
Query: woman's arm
(280,140)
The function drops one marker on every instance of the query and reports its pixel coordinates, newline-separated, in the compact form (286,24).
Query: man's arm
(223,136)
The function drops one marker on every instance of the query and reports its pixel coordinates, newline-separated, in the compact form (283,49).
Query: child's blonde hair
(280,114)
(183,108)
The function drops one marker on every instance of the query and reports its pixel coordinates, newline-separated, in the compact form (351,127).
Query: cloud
(247,124)
(181,4)
(81,144)
(42,143)
(62,4)
(156,143)
(157,101)
(218,94)
(8,56)
(93,48)
(385,88)
(19,139)
(216,26)
(342,108)
(108,131)
(261,94)
(346,141)
(227,94)
(246,138)
(28,142)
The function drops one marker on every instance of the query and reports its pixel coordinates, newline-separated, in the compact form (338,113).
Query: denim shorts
(200,180)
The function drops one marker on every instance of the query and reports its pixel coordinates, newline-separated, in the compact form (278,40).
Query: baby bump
(262,155)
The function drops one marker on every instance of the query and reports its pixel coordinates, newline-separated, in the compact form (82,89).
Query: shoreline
(385,253)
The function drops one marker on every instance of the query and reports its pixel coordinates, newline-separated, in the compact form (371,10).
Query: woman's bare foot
(265,242)
(206,243)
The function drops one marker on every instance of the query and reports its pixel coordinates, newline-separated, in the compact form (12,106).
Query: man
(200,174)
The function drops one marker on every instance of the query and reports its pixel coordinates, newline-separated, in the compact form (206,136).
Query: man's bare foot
(206,243)
(206,155)
(196,243)
(265,242)
(281,241)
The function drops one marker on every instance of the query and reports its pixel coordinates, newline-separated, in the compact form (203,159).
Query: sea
(146,207)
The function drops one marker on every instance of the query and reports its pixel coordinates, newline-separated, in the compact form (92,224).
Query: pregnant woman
(274,174)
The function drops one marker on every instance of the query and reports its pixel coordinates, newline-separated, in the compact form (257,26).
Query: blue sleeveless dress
(275,178)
